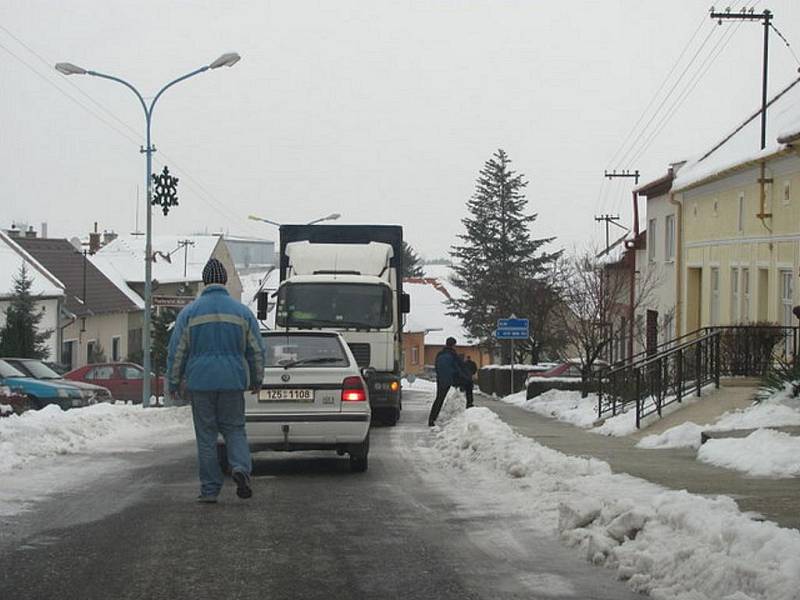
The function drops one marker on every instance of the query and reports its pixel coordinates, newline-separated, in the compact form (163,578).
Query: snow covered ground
(40,440)
(568,406)
(764,452)
(668,544)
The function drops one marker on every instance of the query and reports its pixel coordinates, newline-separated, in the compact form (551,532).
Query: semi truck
(348,278)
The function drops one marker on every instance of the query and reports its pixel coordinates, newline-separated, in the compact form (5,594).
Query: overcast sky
(382,111)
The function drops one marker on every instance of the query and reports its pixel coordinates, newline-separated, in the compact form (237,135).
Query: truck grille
(361,353)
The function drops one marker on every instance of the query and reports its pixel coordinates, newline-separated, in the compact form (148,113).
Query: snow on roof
(125,255)
(429,312)
(783,119)
(12,257)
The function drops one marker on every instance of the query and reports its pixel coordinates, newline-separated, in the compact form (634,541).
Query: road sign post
(512,329)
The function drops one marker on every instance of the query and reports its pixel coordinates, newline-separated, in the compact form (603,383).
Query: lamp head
(70,69)
(226,60)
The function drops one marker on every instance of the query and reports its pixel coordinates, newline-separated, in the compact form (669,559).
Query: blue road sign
(513,323)
(511,334)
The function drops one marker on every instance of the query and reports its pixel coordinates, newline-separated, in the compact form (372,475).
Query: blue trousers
(217,413)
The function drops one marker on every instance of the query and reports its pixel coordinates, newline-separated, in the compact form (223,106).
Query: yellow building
(739,229)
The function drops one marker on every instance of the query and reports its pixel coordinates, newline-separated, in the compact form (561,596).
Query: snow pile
(765,452)
(51,431)
(762,453)
(669,544)
(420,384)
(568,406)
(685,435)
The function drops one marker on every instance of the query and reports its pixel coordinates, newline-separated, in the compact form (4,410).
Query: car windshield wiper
(309,361)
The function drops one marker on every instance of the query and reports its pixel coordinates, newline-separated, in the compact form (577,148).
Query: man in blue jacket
(450,371)
(216,346)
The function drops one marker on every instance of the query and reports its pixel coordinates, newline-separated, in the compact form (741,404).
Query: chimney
(94,242)
(44,230)
(30,232)
(108,237)
(13,232)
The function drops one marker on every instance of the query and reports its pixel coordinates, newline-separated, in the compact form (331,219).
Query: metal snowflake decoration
(166,194)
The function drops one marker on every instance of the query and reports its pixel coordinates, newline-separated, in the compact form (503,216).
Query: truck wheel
(359,457)
(222,458)
(391,416)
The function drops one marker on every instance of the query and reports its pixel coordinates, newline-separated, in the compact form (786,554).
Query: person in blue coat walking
(450,371)
(216,347)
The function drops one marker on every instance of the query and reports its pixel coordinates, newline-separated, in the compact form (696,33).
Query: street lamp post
(330,217)
(226,60)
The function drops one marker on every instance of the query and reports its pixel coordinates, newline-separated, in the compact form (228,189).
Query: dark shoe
(201,499)
(431,423)
(242,480)
(469,405)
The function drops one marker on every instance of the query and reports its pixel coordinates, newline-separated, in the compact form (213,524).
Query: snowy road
(408,528)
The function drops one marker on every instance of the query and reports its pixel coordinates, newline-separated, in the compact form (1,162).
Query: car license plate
(286,395)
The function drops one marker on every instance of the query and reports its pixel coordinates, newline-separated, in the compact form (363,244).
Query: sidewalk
(777,500)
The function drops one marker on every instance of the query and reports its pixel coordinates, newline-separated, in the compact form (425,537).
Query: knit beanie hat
(214,272)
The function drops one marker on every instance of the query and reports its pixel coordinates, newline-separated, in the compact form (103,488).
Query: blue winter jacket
(216,345)
(450,369)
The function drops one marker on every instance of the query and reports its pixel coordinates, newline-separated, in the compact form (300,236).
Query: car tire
(222,458)
(359,457)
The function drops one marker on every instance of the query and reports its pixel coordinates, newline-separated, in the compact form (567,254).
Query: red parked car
(124,379)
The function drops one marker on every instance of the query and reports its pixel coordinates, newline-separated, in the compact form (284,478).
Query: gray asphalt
(312,530)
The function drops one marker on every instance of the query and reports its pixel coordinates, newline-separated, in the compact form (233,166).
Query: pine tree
(412,263)
(20,336)
(499,261)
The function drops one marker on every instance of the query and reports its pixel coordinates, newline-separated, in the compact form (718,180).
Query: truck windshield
(334,304)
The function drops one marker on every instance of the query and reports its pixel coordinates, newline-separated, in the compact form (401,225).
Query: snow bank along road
(408,528)
(468,510)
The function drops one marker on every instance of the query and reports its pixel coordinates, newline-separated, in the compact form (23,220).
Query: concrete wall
(101,329)
(50,308)
(714,238)
(414,353)
(657,269)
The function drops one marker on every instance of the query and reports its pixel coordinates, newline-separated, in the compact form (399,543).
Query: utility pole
(609,220)
(766,18)
(630,175)
(185,245)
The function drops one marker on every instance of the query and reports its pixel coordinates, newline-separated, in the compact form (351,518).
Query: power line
(658,91)
(785,41)
(698,75)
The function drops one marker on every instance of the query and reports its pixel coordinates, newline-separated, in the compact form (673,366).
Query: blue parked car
(41,393)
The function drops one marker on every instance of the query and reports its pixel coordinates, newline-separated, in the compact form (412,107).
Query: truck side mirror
(261,311)
(405,303)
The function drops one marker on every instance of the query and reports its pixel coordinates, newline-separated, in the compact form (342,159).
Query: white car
(313,398)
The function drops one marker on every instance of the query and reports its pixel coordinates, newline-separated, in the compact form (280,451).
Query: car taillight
(353,390)
(394,386)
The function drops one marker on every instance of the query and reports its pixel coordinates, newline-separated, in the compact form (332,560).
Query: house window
(651,240)
(787,300)
(740,214)
(734,296)
(68,354)
(787,192)
(669,238)
(714,296)
(91,351)
(115,348)
(414,355)
(745,313)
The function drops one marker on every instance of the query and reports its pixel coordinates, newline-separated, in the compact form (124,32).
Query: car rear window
(304,351)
